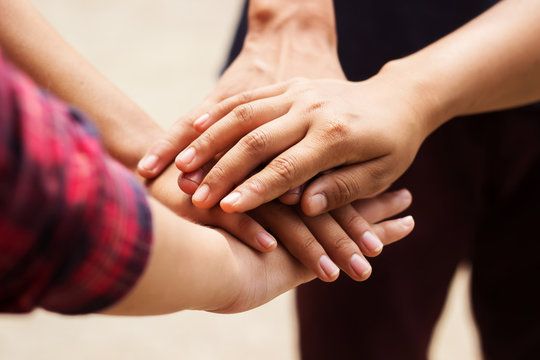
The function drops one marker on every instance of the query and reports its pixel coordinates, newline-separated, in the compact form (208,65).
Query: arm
(208,270)
(285,39)
(77,229)
(127,130)
(371,130)
(492,63)
(197,268)
(34,46)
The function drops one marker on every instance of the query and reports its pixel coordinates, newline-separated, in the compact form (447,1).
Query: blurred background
(166,54)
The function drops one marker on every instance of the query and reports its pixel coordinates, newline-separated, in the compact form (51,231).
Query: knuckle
(309,244)
(205,140)
(315,106)
(244,113)
(255,141)
(216,174)
(342,191)
(336,131)
(245,97)
(166,143)
(284,167)
(378,178)
(256,186)
(356,222)
(245,222)
(342,244)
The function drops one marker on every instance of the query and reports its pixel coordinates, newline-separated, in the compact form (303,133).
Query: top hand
(370,131)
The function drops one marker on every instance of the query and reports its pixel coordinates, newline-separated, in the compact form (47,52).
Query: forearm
(190,268)
(38,49)
(294,15)
(193,267)
(492,63)
(283,30)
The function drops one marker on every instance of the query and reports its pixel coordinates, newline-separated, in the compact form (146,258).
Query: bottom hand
(345,236)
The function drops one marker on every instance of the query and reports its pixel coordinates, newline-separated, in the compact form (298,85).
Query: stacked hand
(340,239)
(357,137)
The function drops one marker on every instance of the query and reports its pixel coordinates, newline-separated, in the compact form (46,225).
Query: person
(345,238)
(78,232)
(327,142)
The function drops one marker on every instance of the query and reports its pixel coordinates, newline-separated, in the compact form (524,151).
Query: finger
(293,196)
(218,112)
(228,131)
(383,206)
(163,152)
(345,185)
(358,229)
(247,230)
(292,168)
(291,231)
(189,183)
(341,248)
(394,230)
(251,151)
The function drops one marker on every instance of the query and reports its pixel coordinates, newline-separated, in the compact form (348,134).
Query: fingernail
(201,120)
(186,156)
(201,194)
(196,177)
(149,162)
(404,194)
(372,242)
(318,203)
(232,198)
(266,240)
(360,266)
(328,266)
(407,221)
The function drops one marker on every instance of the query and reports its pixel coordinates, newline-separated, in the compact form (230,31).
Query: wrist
(299,20)
(423,92)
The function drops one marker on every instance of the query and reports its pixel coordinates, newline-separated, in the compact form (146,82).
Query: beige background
(166,55)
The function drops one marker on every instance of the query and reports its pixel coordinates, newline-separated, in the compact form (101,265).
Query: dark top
(372,32)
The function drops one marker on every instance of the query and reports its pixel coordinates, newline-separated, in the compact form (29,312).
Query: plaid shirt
(75,228)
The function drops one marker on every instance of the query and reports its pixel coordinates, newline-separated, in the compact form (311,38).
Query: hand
(343,234)
(366,133)
(192,267)
(241,226)
(261,277)
(265,59)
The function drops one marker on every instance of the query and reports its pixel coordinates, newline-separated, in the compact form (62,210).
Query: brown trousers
(476,188)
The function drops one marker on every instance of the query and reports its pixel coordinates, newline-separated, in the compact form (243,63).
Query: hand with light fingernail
(351,140)
(340,239)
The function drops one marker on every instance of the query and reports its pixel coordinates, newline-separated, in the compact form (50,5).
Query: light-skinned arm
(197,268)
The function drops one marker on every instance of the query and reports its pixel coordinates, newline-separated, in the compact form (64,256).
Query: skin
(207,269)
(128,131)
(353,140)
(269,56)
(184,271)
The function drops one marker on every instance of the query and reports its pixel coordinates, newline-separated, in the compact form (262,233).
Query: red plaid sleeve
(75,227)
